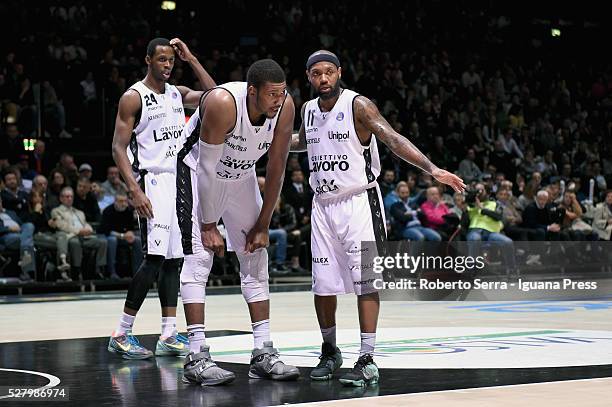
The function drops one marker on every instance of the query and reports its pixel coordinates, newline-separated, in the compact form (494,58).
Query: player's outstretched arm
(218,118)
(275,174)
(368,116)
(298,140)
(192,97)
(129,106)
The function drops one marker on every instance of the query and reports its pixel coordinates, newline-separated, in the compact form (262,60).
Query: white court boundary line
(53,380)
(469,389)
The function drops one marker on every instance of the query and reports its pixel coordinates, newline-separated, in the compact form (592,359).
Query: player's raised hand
(181,49)
(142,204)
(212,239)
(448,178)
(257,238)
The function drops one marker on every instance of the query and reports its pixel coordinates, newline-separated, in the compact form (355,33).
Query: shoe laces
(362,362)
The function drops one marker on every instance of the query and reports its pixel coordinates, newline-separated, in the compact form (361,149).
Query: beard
(334,92)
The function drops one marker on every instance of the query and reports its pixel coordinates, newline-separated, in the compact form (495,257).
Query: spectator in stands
(68,169)
(602,217)
(543,218)
(283,228)
(387,184)
(46,235)
(103,199)
(14,198)
(573,227)
(18,235)
(39,159)
(468,170)
(80,233)
(113,184)
(85,200)
(85,170)
(434,210)
(13,144)
(299,195)
(120,228)
(509,143)
(405,219)
(58,181)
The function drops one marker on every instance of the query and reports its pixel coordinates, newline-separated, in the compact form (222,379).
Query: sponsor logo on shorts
(321,260)
(160,226)
(324,186)
(356,250)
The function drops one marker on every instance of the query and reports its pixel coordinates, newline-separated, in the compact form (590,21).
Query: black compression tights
(166,271)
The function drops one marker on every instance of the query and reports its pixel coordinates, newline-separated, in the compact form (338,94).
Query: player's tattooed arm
(298,140)
(191,97)
(129,111)
(367,116)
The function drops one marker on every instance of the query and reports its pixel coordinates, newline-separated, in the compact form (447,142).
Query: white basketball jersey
(246,143)
(158,135)
(339,163)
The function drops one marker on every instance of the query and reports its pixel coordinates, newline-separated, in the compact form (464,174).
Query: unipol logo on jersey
(341,137)
(329,162)
(324,186)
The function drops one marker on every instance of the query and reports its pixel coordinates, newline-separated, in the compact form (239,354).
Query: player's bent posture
(237,123)
(339,130)
(148,135)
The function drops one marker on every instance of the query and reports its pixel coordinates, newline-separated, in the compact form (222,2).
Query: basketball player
(236,124)
(339,130)
(148,136)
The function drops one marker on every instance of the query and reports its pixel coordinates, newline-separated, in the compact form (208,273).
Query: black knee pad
(169,282)
(142,280)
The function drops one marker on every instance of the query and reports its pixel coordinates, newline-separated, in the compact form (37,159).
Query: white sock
(261,332)
(329,335)
(125,324)
(368,340)
(197,337)
(168,326)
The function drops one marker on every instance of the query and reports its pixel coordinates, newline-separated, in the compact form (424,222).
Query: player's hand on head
(448,178)
(181,49)
(257,238)
(142,204)
(212,239)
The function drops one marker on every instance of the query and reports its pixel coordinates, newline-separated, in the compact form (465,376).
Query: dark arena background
(510,302)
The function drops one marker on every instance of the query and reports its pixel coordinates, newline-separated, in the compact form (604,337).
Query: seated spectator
(387,183)
(572,225)
(283,230)
(602,217)
(543,218)
(512,218)
(509,143)
(468,170)
(86,171)
(434,210)
(40,184)
(299,195)
(27,174)
(45,233)
(58,182)
(113,184)
(84,200)
(459,205)
(530,190)
(547,166)
(39,159)
(18,235)
(406,222)
(120,227)
(68,169)
(393,197)
(13,143)
(103,199)
(80,233)
(14,198)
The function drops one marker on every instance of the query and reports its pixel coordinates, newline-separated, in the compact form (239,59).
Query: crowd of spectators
(485,91)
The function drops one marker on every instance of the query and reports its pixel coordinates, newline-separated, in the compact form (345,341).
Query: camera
(470,197)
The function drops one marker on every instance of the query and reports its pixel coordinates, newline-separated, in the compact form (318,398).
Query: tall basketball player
(148,136)
(339,130)
(236,124)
